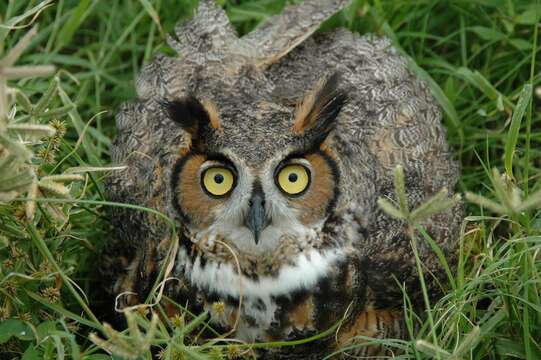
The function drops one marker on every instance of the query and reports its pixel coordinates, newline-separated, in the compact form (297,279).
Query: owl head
(256,177)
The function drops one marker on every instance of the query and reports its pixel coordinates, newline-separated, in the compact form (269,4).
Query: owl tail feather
(210,31)
(282,33)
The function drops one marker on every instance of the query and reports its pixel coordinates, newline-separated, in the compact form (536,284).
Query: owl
(269,152)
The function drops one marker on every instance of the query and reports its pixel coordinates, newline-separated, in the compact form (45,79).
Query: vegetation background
(480,58)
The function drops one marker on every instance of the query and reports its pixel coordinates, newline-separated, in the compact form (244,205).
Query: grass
(480,59)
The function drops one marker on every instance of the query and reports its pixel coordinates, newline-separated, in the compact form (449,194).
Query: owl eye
(218,181)
(293,179)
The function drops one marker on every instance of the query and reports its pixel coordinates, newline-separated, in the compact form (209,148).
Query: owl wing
(131,257)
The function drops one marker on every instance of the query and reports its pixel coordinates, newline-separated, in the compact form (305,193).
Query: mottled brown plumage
(336,109)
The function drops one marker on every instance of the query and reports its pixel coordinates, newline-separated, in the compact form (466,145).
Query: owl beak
(256,220)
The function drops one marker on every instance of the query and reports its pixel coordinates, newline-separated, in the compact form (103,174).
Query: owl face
(245,194)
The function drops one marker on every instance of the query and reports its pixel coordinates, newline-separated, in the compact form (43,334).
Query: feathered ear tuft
(194,116)
(318,110)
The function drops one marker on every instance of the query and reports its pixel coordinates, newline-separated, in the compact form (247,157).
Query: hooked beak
(256,220)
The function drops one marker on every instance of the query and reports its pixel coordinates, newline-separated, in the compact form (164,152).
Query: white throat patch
(224,279)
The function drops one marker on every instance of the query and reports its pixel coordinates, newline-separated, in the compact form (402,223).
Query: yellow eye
(218,181)
(293,179)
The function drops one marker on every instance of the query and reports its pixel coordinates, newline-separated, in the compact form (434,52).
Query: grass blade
(74,22)
(151,12)
(514,128)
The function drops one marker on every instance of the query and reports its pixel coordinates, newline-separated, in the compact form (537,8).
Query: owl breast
(287,294)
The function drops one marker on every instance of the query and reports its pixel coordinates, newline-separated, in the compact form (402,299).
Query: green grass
(479,57)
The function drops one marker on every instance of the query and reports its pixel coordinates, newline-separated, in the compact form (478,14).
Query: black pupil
(292,177)
(218,178)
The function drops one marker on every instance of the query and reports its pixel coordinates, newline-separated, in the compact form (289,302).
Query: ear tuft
(318,110)
(192,115)
(212,112)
